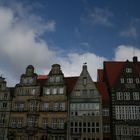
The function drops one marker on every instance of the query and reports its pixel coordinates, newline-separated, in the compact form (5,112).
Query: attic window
(85,81)
(122,80)
(128,70)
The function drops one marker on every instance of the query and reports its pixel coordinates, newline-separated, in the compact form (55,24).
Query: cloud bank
(21,45)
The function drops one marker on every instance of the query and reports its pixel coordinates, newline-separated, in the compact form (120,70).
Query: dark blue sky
(97,26)
(113,23)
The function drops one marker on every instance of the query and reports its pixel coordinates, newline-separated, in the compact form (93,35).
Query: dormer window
(24,80)
(130,80)
(122,80)
(128,70)
(137,80)
(57,78)
(30,80)
(51,79)
(85,81)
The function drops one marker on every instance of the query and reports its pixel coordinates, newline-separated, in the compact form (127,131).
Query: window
(136,96)
(106,112)
(24,80)
(3,105)
(54,124)
(77,92)
(19,122)
(91,91)
(16,122)
(47,91)
(5,95)
(2,119)
(13,122)
(62,106)
(61,90)
(126,95)
(54,90)
(31,121)
(30,80)
(128,70)
(85,81)
(55,107)
(33,105)
(32,91)
(97,126)
(137,80)
(122,80)
(61,123)
(93,127)
(46,106)
(85,92)
(119,95)
(45,123)
(19,106)
(57,78)
(130,80)
(106,128)
(127,112)
(51,79)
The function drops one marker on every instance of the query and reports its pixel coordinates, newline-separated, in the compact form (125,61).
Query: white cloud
(130,32)
(72,65)
(124,52)
(20,46)
(98,16)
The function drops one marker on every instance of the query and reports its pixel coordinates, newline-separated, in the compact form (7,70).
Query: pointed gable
(84,87)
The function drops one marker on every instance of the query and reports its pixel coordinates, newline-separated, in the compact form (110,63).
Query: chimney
(135,59)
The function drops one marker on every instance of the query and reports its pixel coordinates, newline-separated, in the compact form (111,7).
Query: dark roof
(41,76)
(70,83)
(41,79)
(100,75)
(102,88)
(114,68)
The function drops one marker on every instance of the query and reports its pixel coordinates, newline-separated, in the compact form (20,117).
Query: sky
(67,32)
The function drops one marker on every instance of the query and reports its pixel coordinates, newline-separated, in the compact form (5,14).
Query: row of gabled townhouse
(51,107)
(54,107)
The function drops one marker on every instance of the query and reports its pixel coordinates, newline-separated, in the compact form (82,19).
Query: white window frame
(128,70)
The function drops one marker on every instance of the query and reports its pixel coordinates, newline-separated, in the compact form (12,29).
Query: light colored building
(53,105)
(24,118)
(5,104)
(85,110)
